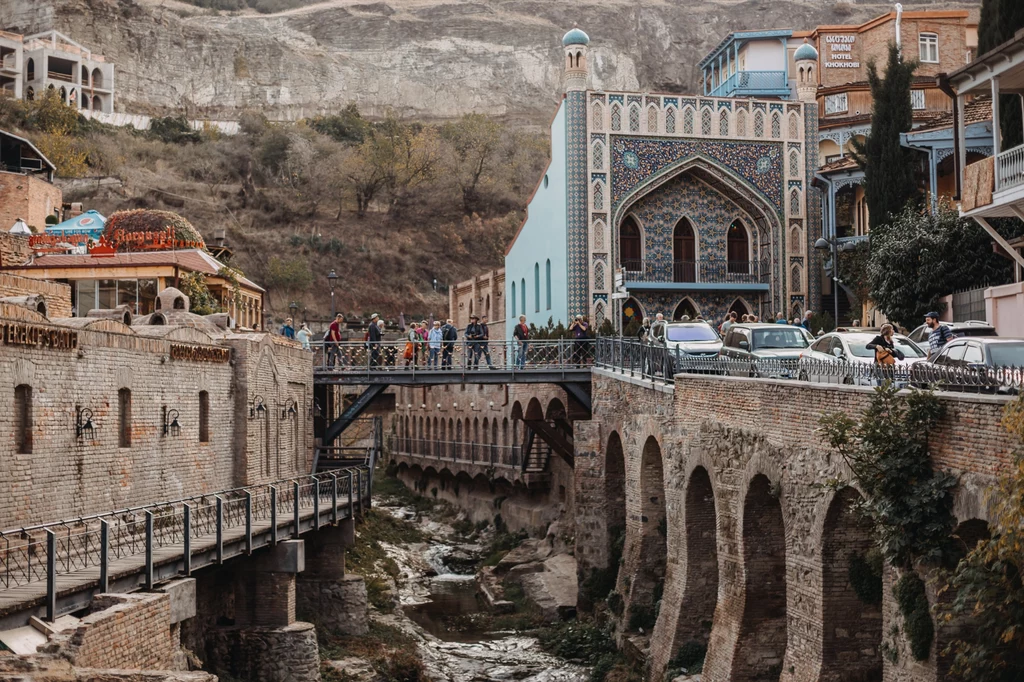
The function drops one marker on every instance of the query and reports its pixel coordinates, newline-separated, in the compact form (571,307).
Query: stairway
(537,458)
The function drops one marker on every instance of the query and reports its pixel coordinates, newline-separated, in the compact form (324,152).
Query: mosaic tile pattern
(578,285)
(813,210)
(712,306)
(760,163)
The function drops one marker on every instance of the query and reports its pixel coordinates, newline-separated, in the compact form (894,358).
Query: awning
(90,223)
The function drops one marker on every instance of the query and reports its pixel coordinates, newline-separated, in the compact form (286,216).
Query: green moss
(368,558)
(913,603)
(391,652)
(615,603)
(866,576)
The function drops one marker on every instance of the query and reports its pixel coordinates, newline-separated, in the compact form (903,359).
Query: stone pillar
(326,595)
(266,644)
(589,498)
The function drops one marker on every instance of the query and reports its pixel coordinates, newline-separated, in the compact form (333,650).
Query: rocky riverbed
(437,606)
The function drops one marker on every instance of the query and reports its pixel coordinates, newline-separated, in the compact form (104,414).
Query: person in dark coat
(476,335)
(522,334)
(449,334)
(373,339)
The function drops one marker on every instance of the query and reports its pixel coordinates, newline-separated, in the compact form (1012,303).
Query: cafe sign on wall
(839,52)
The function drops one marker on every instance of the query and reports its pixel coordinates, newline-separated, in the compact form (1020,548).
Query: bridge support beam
(325,593)
(554,437)
(351,414)
(591,516)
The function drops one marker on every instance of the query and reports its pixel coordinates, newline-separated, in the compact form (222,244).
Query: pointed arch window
(598,196)
(687,121)
(536,286)
(776,126)
(796,283)
(597,152)
(670,120)
(598,315)
(513,300)
(686,308)
(522,294)
(741,122)
(723,123)
(684,253)
(795,240)
(794,202)
(738,249)
(794,164)
(794,126)
(630,249)
(616,117)
(597,116)
(547,283)
(634,118)
(758,124)
(705,121)
(652,120)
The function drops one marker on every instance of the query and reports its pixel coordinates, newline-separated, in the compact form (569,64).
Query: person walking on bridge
(373,338)
(522,335)
(332,340)
(475,335)
(449,333)
(434,343)
(579,329)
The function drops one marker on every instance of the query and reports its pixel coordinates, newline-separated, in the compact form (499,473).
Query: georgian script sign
(54,241)
(183,351)
(162,240)
(15,334)
(840,52)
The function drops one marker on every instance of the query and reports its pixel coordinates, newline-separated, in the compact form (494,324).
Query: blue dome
(806,51)
(575,37)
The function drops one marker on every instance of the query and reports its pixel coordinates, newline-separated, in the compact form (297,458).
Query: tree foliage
(917,258)
(888,168)
(201,300)
(987,585)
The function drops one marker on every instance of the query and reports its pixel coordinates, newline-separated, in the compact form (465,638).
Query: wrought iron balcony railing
(703,272)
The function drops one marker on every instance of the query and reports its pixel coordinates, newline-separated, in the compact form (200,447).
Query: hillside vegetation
(390,205)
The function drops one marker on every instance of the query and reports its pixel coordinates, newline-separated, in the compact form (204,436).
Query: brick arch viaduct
(731,539)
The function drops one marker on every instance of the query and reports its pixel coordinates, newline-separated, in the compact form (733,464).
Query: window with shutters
(836,104)
(917,99)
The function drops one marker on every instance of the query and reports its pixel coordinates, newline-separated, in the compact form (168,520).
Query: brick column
(326,595)
(589,497)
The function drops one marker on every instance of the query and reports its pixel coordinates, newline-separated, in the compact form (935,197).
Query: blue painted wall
(543,237)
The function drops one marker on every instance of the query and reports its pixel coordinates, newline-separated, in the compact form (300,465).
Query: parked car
(772,350)
(959,329)
(844,358)
(687,345)
(975,365)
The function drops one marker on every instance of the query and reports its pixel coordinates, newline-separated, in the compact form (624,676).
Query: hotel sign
(183,351)
(15,334)
(840,52)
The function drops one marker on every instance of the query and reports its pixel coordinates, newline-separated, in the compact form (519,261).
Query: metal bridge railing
(454,356)
(46,551)
(663,364)
(461,452)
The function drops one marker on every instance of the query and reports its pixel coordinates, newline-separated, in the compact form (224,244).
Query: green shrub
(174,130)
(615,603)
(688,660)
(913,602)
(866,576)
(577,641)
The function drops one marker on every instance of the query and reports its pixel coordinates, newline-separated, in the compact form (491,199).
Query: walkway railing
(453,356)
(1010,168)
(663,364)
(462,452)
(94,547)
(702,272)
(750,81)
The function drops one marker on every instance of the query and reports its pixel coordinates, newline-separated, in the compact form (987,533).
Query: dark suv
(772,350)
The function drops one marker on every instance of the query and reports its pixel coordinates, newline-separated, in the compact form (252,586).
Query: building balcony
(994,186)
(753,84)
(709,275)
(1010,168)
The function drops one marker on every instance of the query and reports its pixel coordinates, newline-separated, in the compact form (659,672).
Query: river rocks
(551,585)
(354,669)
(529,551)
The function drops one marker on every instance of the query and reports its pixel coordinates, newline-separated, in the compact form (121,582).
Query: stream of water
(433,597)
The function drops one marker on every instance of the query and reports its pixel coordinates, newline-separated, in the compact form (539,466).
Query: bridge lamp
(257,408)
(314,408)
(171,426)
(423,406)
(439,406)
(83,424)
(332,279)
(289,409)
(294,308)
(455,405)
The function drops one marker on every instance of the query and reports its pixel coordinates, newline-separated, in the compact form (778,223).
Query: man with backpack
(449,334)
(476,334)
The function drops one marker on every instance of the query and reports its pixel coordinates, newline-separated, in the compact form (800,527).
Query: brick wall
(742,465)
(27,197)
(14,249)
(65,476)
(56,295)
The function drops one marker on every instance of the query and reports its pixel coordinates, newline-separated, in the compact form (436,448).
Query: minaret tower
(575,44)
(806,61)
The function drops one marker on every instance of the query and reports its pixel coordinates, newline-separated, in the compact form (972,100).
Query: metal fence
(463,452)
(662,364)
(45,551)
(453,356)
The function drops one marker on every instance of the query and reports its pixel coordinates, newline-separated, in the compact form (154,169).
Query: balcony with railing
(1010,168)
(697,275)
(753,83)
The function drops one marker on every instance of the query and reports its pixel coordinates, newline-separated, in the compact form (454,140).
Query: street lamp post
(294,308)
(332,278)
(822,244)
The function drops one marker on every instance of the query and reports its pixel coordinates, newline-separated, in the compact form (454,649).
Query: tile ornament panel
(577,232)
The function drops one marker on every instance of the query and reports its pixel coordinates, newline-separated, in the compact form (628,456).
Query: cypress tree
(888,168)
(1000,20)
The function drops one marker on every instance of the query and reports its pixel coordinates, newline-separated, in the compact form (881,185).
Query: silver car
(687,344)
(844,358)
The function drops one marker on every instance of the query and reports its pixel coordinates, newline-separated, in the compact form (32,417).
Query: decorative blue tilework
(615,98)
(671,102)
(600,297)
(630,160)
(712,306)
(691,101)
(759,106)
(578,271)
(794,183)
(598,176)
(657,155)
(594,137)
(707,103)
(634,98)
(775,107)
(725,104)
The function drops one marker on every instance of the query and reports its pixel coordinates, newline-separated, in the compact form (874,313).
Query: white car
(843,358)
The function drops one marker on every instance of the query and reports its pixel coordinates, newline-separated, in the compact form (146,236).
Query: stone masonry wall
(56,295)
(14,249)
(750,448)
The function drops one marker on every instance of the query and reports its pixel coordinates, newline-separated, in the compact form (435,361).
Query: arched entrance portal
(686,308)
(740,307)
(761,645)
(684,253)
(631,312)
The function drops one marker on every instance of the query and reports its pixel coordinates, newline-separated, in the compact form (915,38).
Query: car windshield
(694,332)
(783,337)
(1004,354)
(858,346)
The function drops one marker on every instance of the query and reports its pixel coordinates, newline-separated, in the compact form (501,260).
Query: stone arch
(615,502)
(761,642)
(739,247)
(632,311)
(97,103)
(556,410)
(652,119)
(684,252)
(97,78)
(631,244)
(84,102)
(796,239)
(534,412)
(648,580)
(686,307)
(700,584)
(723,122)
(740,307)
(851,618)
(597,116)
(30,69)
(966,536)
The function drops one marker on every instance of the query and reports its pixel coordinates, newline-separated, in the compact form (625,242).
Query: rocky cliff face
(423,58)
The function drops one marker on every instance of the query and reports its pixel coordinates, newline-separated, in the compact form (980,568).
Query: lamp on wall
(289,409)
(171,426)
(257,407)
(83,423)
(314,408)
